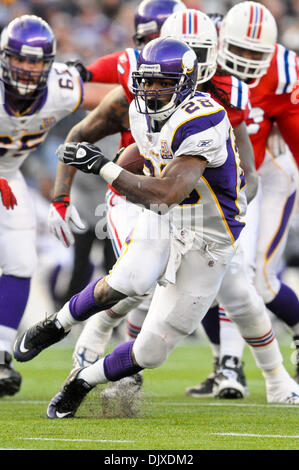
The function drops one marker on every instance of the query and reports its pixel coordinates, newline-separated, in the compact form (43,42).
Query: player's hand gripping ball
(83,156)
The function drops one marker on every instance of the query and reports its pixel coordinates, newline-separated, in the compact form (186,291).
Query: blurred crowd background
(88,29)
(91,28)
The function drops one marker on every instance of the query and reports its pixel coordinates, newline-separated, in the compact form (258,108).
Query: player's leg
(90,346)
(233,380)
(128,389)
(175,312)
(18,261)
(246,308)
(277,207)
(92,342)
(122,218)
(211,327)
(230,380)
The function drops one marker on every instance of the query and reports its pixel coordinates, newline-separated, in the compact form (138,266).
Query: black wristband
(63,198)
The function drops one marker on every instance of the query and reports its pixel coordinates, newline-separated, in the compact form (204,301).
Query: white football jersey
(22,134)
(215,209)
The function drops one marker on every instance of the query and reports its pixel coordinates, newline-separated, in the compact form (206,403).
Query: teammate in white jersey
(188,143)
(35,94)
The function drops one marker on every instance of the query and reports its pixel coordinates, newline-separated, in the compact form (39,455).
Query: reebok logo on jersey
(205,143)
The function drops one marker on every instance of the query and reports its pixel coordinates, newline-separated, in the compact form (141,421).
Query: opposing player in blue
(194,196)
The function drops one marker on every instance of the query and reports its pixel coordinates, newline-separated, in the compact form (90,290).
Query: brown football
(131,160)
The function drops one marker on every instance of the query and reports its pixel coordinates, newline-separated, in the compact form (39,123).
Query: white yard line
(236,434)
(70,440)
(245,405)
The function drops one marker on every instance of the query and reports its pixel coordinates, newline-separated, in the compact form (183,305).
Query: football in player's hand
(131,160)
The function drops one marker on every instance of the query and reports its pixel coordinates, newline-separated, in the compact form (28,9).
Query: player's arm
(108,118)
(177,180)
(102,70)
(94,93)
(247,160)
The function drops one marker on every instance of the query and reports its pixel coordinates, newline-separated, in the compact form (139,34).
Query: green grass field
(167,419)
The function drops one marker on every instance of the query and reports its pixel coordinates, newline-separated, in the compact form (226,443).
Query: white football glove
(62,218)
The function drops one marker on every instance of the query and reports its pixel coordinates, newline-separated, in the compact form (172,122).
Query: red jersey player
(248,50)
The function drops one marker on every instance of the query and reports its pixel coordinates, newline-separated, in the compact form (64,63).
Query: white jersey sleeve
(201,128)
(65,88)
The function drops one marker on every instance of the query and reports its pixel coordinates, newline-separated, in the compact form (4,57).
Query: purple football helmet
(149,17)
(28,49)
(167,59)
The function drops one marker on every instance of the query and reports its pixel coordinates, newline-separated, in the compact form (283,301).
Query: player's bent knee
(245,301)
(143,285)
(150,350)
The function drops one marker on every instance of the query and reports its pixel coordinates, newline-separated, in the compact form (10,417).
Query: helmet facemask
(247,69)
(145,32)
(150,102)
(28,50)
(247,39)
(30,79)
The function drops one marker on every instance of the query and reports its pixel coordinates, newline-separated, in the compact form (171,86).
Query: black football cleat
(69,397)
(10,379)
(37,338)
(230,381)
(205,388)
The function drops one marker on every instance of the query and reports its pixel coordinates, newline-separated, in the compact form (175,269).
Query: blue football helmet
(149,17)
(168,59)
(27,39)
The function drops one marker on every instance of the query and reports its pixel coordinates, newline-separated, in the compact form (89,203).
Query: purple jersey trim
(81,94)
(223,182)
(194,126)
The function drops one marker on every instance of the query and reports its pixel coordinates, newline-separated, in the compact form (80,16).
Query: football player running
(198,31)
(36,93)
(248,50)
(109,118)
(189,144)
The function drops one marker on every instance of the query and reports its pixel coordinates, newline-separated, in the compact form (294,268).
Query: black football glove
(85,74)
(83,156)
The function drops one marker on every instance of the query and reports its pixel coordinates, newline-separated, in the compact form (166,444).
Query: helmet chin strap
(170,107)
